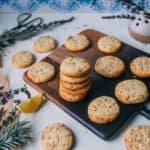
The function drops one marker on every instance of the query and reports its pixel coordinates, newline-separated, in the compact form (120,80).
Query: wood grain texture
(100,85)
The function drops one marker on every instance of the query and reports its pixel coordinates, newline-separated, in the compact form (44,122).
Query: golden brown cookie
(57,136)
(103,110)
(77,43)
(23,59)
(131,91)
(138,138)
(75,66)
(110,66)
(81,91)
(140,66)
(44,44)
(41,72)
(74,80)
(109,44)
(74,86)
(71,97)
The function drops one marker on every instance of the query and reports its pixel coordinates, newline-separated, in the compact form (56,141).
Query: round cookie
(138,138)
(109,44)
(140,67)
(131,91)
(81,91)
(23,59)
(76,43)
(70,97)
(75,66)
(41,72)
(74,86)
(109,66)
(57,136)
(74,80)
(103,110)
(44,44)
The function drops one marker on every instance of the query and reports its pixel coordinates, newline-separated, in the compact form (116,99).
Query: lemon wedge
(30,105)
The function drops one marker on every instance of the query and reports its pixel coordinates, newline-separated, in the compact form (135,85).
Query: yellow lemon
(30,105)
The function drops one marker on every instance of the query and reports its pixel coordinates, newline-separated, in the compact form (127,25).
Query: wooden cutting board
(100,85)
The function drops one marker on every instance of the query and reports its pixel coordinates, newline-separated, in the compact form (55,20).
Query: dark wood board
(100,86)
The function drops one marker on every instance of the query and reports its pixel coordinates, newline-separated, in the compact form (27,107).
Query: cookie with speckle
(110,66)
(103,110)
(109,44)
(71,97)
(23,59)
(131,91)
(74,86)
(81,91)
(75,66)
(57,136)
(44,44)
(138,138)
(41,72)
(74,80)
(140,67)
(77,43)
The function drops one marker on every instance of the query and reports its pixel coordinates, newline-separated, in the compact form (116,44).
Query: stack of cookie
(74,79)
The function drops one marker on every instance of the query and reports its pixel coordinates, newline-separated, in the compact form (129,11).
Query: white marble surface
(49,113)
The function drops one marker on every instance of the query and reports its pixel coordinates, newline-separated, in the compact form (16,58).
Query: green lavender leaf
(14,135)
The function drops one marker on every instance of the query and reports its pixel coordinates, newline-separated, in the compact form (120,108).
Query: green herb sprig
(15,135)
(28,28)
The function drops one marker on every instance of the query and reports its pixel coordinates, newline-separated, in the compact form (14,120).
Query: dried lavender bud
(28,94)
(22,89)
(17,101)
(16,91)
(26,91)
(3,100)
(119,17)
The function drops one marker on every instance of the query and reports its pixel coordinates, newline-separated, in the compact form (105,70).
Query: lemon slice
(30,105)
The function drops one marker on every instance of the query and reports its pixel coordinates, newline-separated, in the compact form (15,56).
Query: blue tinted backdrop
(64,5)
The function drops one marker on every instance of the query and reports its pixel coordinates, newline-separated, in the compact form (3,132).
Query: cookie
(140,67)
(131,91)
(23,59)
(44,44)
(110,66)
(75,66)
(81,91)
(74,80)
(57,136)
(138,138)
(109,44)
(71,97)
(103,110)
(41,72)
(77,43)
(74,86)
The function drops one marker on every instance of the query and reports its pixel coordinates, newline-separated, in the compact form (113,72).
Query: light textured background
(49,113)
(65,5)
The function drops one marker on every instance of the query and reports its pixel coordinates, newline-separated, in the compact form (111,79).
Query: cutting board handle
(145,112)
